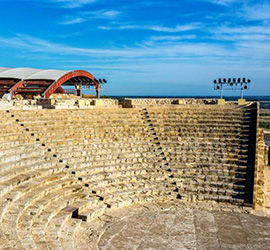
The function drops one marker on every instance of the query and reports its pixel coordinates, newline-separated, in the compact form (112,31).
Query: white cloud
(86,16)
(262,29)
(36,45)
(101,14)
(241,37)
(224,2)
(73,21)
(73,3)
(178,28)
(108,14)
(259,11)
(171,38)
(153,49)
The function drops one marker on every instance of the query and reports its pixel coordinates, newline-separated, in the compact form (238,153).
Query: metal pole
(221,92)
(81,91)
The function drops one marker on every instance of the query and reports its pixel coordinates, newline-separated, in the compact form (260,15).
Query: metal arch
(76,73)
(13,89)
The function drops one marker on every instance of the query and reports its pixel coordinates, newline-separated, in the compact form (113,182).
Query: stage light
(77,86)
(100,81)
(104,80)
(223,84)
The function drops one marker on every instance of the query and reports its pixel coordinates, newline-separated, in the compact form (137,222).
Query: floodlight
(100,81)
(77,86)
(104,80)
(222,84)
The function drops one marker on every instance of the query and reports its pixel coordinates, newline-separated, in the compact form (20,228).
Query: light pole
(232,84)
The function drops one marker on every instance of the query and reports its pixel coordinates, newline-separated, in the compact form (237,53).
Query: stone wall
(76,103)
(57,103)
(19,104)
(132,103)
(262,185)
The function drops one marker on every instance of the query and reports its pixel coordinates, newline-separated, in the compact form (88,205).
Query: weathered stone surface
(184,228)
(129,103)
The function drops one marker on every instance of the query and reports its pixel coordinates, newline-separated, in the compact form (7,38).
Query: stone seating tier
(100,159)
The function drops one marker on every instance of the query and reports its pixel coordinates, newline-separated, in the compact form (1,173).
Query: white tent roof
(47,75)
(31,74)
(3,69)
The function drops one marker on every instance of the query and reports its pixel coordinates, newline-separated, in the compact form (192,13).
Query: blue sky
(161,47)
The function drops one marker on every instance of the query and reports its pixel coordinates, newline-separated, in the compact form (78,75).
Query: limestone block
(241,102)
(98,102)
(127,103)
(87,102)
(221,102)
(180,102)
(81,103)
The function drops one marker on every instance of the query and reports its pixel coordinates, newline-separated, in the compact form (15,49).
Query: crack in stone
(147,230)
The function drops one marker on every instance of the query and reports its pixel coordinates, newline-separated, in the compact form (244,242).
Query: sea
(263,100)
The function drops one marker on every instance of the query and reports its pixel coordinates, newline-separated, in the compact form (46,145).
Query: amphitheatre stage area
(81,173)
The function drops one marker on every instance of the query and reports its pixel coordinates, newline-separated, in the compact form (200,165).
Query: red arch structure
(43,82)
(72,74)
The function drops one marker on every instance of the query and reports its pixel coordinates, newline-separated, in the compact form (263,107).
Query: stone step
(229,141)
(195,184)
(15,193)
(131,175)
(41,225)
(22,154)
(16,209)
(67,233)
(208,171)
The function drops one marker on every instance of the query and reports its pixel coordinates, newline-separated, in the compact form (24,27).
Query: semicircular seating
(60,168)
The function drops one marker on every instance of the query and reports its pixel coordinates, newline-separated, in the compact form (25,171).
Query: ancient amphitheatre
(81,173)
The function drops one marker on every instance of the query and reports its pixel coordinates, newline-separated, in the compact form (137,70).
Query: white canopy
(31,74)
